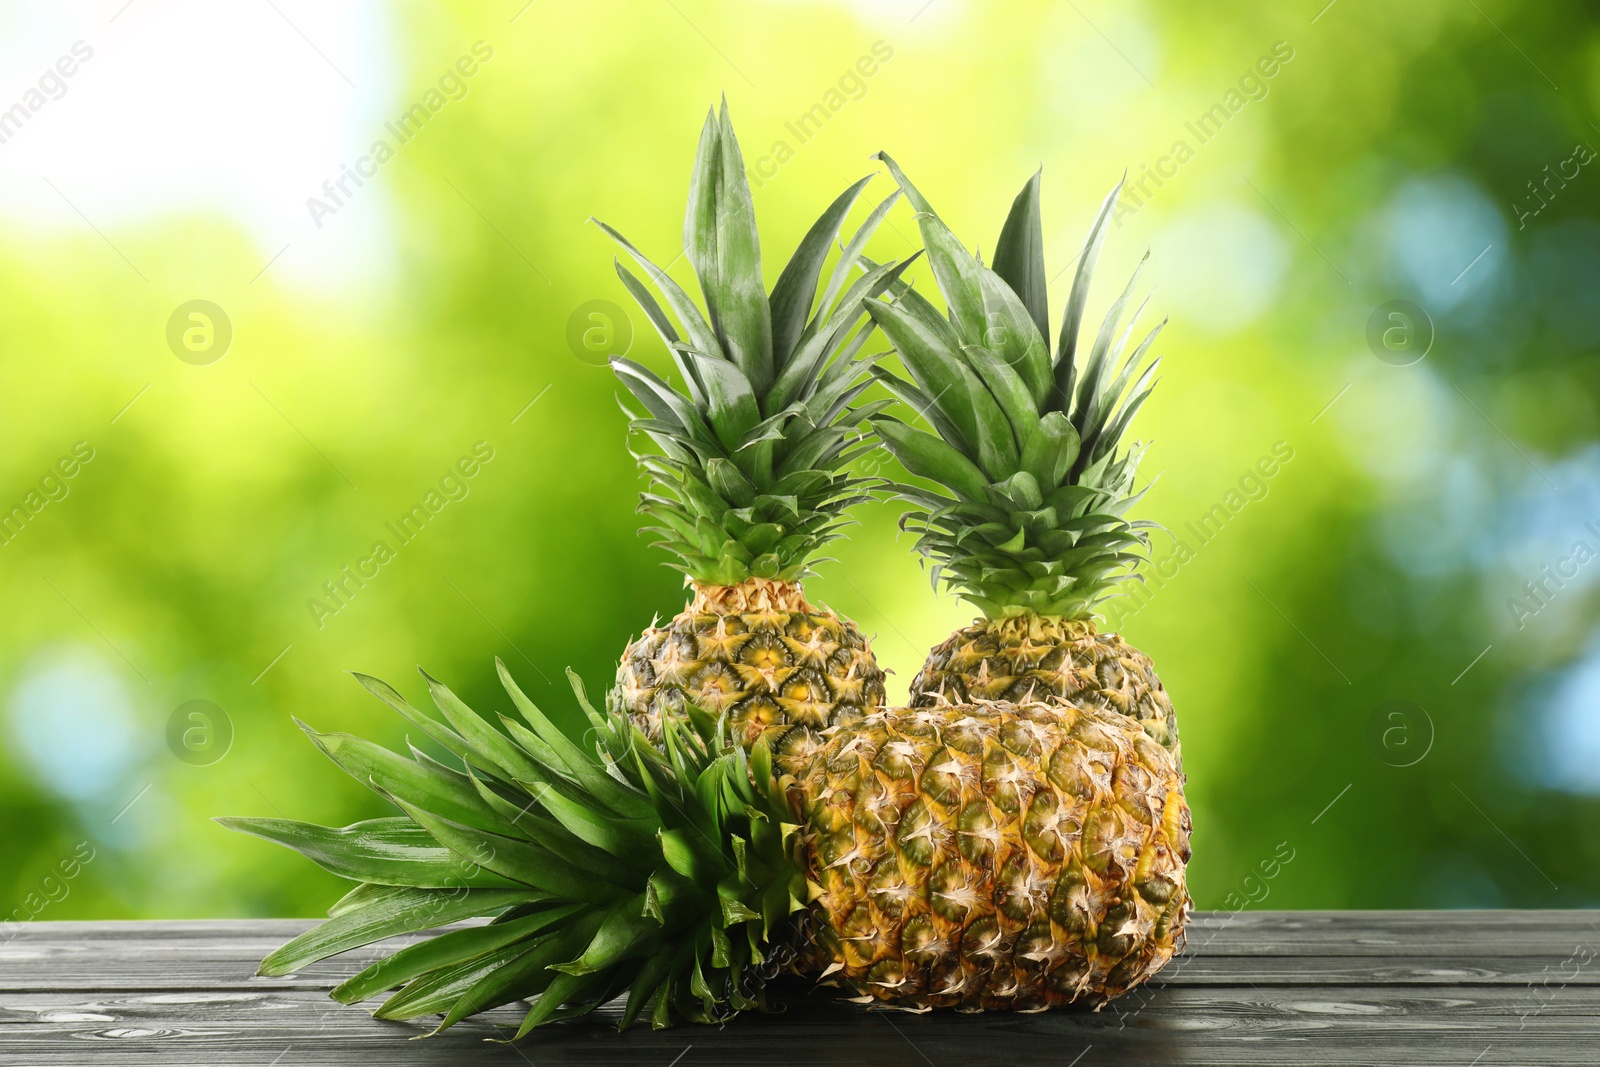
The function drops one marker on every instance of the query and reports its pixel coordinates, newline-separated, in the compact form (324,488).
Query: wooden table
(1471,989)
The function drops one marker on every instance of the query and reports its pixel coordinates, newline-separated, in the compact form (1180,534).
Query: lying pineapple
(1028,448)
(995,856)
(749,479)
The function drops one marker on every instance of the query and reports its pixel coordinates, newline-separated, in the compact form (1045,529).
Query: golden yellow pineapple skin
(756,651)
(992,856)
(1035,657)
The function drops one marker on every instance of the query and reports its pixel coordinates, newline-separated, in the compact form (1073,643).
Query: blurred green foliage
(1373,164)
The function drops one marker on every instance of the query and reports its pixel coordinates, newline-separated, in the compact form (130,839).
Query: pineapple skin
(1058,661)
(992,856)
(757,652)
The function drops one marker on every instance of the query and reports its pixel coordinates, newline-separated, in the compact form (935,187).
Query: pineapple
(985,856)
(1033,473)
(749,471)
(994,855)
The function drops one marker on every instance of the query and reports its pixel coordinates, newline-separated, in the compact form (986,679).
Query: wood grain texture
(1422,988)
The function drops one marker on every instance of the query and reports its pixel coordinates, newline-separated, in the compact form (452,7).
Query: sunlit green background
(1388,156)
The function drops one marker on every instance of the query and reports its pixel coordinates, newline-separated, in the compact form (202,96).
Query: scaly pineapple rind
(992,855)
(757,655)
(1026,658)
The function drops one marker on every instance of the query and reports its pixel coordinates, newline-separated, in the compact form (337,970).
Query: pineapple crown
(1027,449)
(752,443)
(666,875)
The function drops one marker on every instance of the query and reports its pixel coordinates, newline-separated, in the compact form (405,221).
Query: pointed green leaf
(385,913)
(528,975)
(919,402)
(926,456)
(664,328)
(720,239)
(1072,318)
(700,336)
(522,861)
(797,285)
(732,408)
(531,824)
(651,982)
(1012,335)
(1098,365)
(436,991)
(582,767)
(1050,455)
(625,933)
(377,767)
(1019,256)
(953,266)
(730,483)
(848,261)
(381,851)
(493,749)
(691,855)
(1008,390)
(627,839)
(445,950)
(660,399)
(435,729)
(937,371)
(562,989)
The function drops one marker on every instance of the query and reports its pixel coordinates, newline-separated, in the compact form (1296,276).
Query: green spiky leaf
(1030,450)
(1019,255)
(760,377)
(602,869)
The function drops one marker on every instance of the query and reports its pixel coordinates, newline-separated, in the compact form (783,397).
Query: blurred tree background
(1384,652)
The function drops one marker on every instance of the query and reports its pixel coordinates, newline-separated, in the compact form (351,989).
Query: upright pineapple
(1028,450)
(992,856)
(749,478)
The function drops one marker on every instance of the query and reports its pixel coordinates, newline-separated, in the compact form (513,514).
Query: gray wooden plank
(1251,933)
(1320,927)
(1282,947)
(1255,987)
(87,972)
(1423,1027)
(1358,933)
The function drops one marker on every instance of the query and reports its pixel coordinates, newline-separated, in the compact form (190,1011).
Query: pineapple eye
(954,895)
(1011,894)
(983,940)
(1019,740)
(1036,943)
(897,759)
(758,711)
(1042,828)
(917,831)
(1069,771)
(719,679)
(978,834)
(941,782)
(889,973)
(764,653)
(920,939)
(803,685)
(1103,850)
